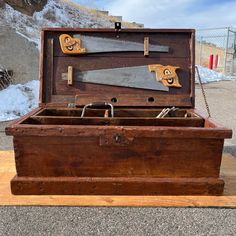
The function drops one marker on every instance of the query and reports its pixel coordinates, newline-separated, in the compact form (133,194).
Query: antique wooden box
(116,116)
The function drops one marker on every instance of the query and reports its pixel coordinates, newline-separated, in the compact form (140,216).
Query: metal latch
(117,28)
(117,139)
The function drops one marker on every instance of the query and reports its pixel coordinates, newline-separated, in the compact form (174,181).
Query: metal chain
(203,92)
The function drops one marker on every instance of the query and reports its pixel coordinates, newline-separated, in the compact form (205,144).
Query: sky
(198,14)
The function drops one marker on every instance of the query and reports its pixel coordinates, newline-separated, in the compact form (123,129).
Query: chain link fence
(216,49)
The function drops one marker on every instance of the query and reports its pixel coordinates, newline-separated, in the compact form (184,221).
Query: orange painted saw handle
(166,74)
(71,46)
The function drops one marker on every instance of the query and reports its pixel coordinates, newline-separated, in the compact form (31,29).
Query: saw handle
(98,105)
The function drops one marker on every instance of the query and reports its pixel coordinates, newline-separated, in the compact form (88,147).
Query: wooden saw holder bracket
(146,46)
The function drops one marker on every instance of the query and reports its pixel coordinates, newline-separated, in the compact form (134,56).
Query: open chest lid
(127,67)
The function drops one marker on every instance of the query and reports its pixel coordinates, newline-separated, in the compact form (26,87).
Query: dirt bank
(17,54)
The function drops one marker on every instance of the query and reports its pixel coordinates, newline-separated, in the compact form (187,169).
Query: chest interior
(109,66)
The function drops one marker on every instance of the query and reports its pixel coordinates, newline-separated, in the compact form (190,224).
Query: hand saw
(83,44)
(152,77)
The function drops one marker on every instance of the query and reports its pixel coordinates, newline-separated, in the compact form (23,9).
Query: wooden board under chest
(98,128)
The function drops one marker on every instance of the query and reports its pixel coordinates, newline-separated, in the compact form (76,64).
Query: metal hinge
(117,28)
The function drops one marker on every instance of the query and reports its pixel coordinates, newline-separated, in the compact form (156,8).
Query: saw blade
(131,77)
(103,45)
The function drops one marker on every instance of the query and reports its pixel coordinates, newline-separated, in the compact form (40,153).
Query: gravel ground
(221,97)
(116,221)
(5,141)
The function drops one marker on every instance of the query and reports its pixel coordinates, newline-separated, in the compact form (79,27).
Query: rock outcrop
(27,7)
(2,3)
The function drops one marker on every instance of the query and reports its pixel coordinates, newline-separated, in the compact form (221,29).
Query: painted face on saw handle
(166,74)
(71,45)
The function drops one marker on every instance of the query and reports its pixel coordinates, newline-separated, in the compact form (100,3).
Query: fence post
(216,61)
(226,50)
(233,56)
(211,58)
(200,54)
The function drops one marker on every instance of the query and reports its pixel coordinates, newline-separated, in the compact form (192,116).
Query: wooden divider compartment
(123,117)
(118,112)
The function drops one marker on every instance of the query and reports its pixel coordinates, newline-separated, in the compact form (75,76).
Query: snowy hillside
(17,100)
(57,13)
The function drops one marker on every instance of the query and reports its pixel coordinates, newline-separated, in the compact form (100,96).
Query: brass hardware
(70,75)
(71,45)
(146,46)
(166,74)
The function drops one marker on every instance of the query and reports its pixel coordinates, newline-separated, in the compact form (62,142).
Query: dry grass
(99,14)
(50,15)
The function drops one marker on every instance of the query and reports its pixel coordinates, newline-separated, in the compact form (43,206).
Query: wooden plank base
(116,186)
(7,172)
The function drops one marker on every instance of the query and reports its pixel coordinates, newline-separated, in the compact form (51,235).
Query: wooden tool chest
(116,116)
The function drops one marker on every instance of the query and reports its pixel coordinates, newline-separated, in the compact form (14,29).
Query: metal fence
(216,48)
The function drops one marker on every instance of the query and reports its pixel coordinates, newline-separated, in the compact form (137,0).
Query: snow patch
(208,75)
(18,100)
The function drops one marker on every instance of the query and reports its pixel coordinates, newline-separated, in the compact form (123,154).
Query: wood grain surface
(53,90)
(228,172)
